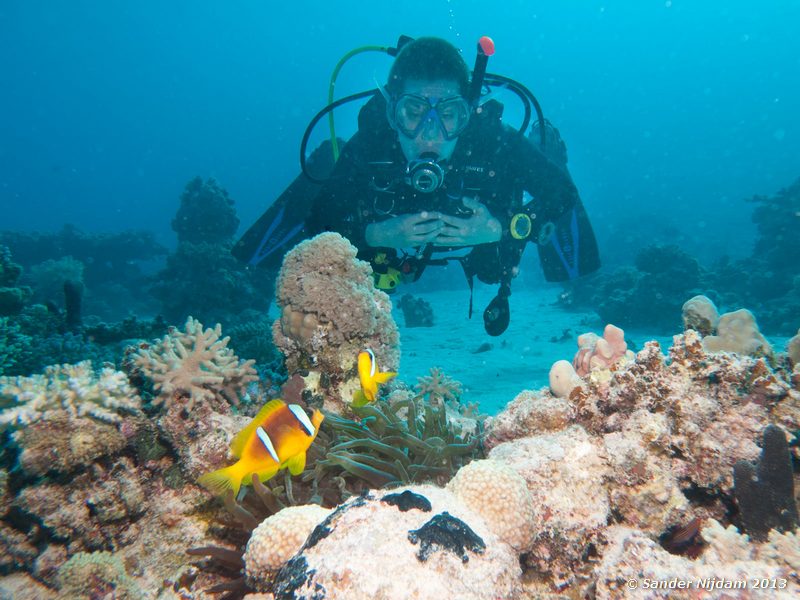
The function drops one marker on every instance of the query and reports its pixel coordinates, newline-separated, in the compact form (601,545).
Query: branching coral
(76,389)
(439,387)
(195,365)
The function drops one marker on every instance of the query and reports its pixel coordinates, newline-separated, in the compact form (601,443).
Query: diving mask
(411,114)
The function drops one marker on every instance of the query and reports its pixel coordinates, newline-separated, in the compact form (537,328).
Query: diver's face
(431,137)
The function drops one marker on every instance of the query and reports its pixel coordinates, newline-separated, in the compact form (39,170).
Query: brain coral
(277,539)
(331,310)
(500,495)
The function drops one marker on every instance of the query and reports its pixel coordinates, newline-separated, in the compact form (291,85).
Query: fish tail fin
(220,481)
(360,399)
(384,377)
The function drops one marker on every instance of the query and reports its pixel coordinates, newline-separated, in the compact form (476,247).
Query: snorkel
(485,50)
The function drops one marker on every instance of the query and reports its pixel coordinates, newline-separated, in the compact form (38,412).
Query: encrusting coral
(195,365)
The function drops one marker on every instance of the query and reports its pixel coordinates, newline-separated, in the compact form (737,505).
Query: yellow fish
(370,378)
(276,438)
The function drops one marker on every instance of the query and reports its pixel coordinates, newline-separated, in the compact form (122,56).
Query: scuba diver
(433,175)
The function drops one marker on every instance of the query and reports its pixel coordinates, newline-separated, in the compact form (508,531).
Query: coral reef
(634,566)
(331,311)
(206,213)
(98,574)
(194,365)
(74,389)
(12,296)
(113,266)
(596,356)
(601,353)
(206,222)
(651,293)
(416,311)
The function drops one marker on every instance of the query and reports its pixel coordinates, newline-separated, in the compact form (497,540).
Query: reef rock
(379,546)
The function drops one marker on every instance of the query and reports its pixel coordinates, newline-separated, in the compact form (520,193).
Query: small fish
(276,438)
(370,378)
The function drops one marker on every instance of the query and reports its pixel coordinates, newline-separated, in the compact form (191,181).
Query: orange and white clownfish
(277,438)
(370,378)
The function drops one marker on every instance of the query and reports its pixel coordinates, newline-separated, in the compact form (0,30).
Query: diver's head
(426,102)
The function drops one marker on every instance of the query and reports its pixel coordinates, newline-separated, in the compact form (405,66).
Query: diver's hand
(415,229)
(480,228)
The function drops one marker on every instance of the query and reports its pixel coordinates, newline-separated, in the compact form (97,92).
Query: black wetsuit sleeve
(553,190)
(336,206)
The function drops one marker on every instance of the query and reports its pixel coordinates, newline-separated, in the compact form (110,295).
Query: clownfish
(276,438)
(370,378)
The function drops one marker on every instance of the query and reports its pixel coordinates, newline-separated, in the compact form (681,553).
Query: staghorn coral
(195,365)
(277,539)
(74,389)
(331,311)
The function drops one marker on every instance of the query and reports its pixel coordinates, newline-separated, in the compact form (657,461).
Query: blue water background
(673,112)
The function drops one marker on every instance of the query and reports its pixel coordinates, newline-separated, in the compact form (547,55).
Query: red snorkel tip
(486,44)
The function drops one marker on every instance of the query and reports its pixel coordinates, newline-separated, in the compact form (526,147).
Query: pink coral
(600,352)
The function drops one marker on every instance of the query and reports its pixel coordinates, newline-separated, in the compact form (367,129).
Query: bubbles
(451,16)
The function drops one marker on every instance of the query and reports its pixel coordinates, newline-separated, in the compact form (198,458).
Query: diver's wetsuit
(491,161)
